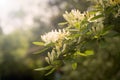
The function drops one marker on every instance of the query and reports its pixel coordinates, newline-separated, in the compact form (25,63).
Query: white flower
(74,16)
(53,36)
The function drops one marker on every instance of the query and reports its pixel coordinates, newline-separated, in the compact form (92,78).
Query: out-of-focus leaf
(74,66)
(39,43)
(86,53)
(111,34)
(103,43)
(89,52)
(109,10)
(63,23)
(81,54)
(38,52)
(89,26)
(97,17)
(51,71)
(44,68)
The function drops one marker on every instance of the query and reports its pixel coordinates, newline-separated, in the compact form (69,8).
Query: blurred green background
(23,21)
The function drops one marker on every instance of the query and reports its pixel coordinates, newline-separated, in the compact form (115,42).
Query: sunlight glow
(8,5)
(17,13)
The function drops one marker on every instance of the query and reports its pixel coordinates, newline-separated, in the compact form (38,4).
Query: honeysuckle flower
(73,17)
(54,36)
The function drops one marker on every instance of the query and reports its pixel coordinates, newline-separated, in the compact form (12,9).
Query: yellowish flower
(54,35)
(74,16)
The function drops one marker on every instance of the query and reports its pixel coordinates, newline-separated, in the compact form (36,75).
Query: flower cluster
(54,35)
(74,16)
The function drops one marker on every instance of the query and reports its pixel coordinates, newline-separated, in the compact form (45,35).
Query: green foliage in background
(85,33)
(15,60)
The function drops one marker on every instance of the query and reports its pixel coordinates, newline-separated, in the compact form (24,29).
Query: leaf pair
(50,68)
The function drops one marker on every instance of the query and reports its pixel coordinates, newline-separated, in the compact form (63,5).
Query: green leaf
(86,53)
(81,54)
(63,23)
(74,66)
(97,17)
(44,49)
(89,26)
(44,68)
(108,10)
(51,71)
(39,43)
(89,52)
